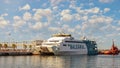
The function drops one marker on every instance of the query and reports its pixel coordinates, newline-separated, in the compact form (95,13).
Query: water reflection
(91,62)
(43,61)
(64,61)
(82,61)
(108,61)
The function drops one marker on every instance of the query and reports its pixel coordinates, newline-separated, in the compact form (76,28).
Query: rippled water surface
(81,61)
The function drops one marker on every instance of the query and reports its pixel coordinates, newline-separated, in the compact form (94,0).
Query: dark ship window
(64,44)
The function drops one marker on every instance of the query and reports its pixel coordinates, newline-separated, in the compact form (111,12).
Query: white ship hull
(64,51)
(69,53)
(64,44)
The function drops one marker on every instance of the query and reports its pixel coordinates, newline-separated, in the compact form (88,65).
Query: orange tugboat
(113,51)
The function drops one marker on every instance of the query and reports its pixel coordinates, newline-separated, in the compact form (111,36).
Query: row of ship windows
(75,46)
(92,42)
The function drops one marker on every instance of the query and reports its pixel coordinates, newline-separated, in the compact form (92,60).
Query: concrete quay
(14,52)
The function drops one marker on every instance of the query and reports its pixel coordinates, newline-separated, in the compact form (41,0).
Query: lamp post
(9,34)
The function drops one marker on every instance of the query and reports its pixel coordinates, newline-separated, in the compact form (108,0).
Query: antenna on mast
(113,43)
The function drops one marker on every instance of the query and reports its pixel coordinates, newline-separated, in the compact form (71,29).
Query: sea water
(76,61)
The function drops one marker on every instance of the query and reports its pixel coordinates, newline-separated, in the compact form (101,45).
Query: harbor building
(17,47)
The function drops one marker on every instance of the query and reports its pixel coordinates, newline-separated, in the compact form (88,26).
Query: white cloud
(81,15)
(111,35)
(67,11)
(77,16)
(18,22)
(119,22)
(37,17)
(95,24)
(106,10)
(16,18)
(54,28)
(65,26)
(94,10)
(42,17)
(40,13)
(27,16)
(25,7)
(72,3)
(106,1)
(100,19)
(5,14)
(34,9)
(55,2)
(84,26)
(36,26)
(55,8)
(71,30)
(118,29)
(77,27)
(7,1)
(45,24)
(84,18)
(3,22)
(109,28)
(68,28)
(66,16)
(79,10)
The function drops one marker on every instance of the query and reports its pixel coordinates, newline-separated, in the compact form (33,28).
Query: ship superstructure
(65,44)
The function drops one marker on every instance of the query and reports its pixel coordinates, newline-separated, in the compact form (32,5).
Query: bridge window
(76,46)
(54,41)
(64,44)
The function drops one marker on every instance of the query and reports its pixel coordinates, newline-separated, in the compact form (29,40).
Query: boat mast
(113,44)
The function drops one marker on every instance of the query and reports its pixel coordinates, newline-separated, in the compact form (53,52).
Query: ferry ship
(65,44)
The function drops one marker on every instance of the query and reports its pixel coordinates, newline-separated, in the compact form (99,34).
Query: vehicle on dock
(65,44)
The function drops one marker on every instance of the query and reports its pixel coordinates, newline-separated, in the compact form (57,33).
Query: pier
(16,52)
(20,48)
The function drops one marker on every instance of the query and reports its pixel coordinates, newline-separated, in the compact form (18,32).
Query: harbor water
(81,61)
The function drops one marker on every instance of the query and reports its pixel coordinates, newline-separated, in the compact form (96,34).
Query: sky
(97,20)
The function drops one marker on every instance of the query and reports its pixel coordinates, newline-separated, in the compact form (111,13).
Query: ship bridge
(61,35)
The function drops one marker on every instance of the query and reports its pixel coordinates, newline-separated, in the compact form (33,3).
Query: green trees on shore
(5,46)
(0,46)
(30,47)
(14,46)
(24,46)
